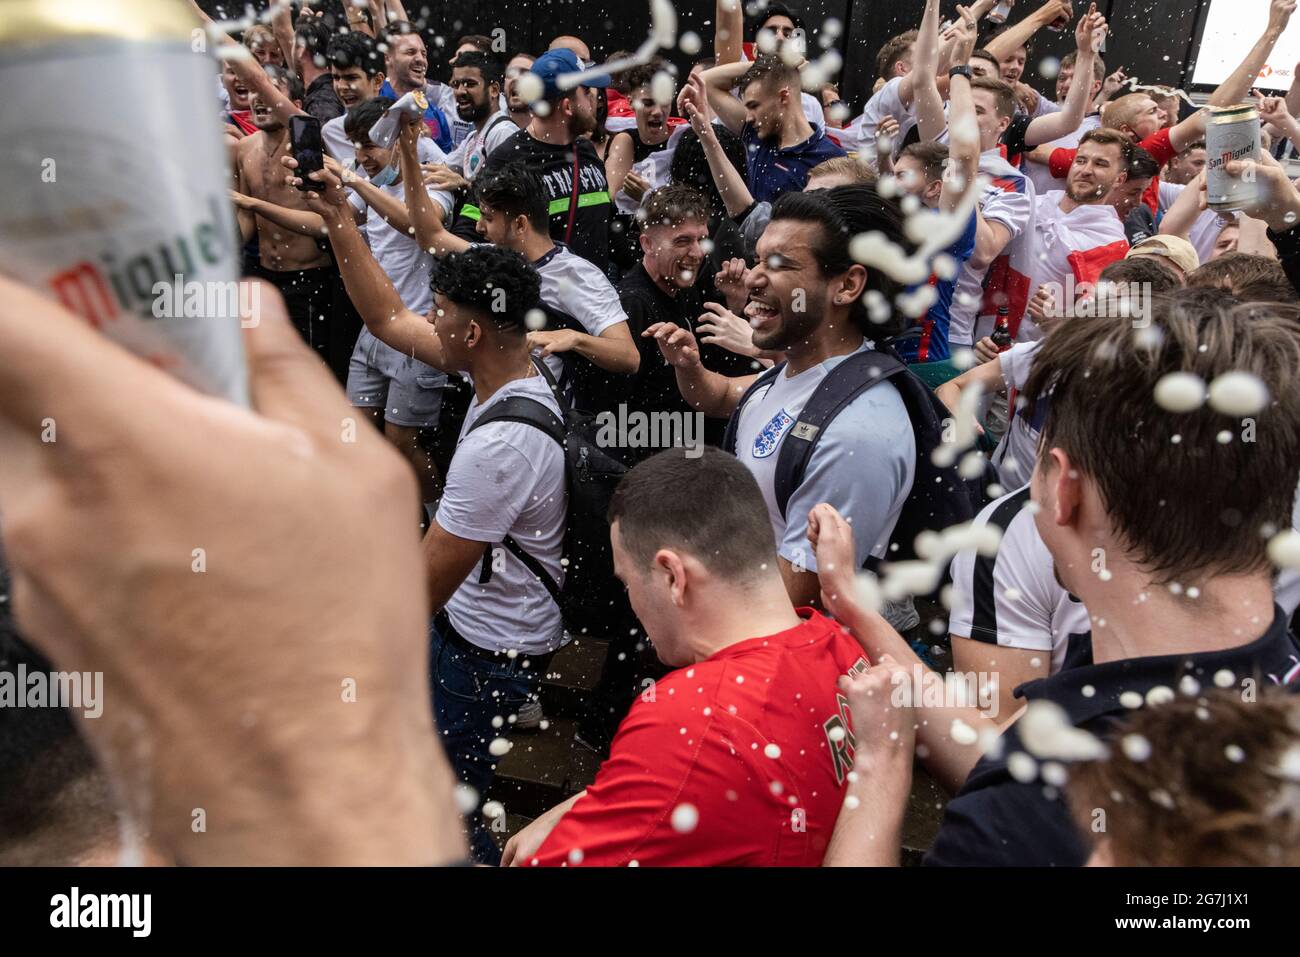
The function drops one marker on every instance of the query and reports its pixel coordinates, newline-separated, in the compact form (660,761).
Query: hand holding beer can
(1232,133)
(126,225)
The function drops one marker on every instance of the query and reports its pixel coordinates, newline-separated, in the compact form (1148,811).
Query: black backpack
(939,498)
(591,598)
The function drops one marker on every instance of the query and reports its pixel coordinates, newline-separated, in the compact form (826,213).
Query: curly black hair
(355,49)
(493,280)
(514,190)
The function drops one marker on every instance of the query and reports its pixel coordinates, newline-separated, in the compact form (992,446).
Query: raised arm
(282,27)
(963,133)
(1185,210)
(1234,89)
(251,72)
(730,184)
(925,90)
(1020,34)
(869,829)
(424,214)
(1293,94)
(729,33)
(1087,38)
(951,751)
(718,83)
(370,290)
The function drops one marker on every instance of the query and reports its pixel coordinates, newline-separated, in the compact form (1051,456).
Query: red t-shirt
(1157,144)
(736,760)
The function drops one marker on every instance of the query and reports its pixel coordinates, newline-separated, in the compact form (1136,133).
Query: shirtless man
(299,265)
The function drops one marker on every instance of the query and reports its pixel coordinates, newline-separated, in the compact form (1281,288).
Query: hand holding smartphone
(308,149)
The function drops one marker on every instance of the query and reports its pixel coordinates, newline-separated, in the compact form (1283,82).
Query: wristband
(961,70)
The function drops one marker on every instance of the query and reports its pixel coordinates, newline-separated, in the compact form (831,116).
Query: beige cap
(1174,248)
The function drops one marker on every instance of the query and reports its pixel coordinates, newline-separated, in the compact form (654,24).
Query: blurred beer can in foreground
(1232,133)
(115,195)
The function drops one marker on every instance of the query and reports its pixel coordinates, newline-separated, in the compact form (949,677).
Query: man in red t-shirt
(1140,116)
(740,756)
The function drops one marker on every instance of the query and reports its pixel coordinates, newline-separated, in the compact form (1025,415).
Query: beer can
(1232,133)
(115,180)
(1000,13)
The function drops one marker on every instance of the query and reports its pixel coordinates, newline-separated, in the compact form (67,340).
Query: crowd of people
(960,433)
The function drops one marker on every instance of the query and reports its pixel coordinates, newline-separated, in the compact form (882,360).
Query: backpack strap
(520,408)
(765,378)
(848,380)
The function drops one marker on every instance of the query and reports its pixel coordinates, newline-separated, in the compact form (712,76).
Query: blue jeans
(469,690)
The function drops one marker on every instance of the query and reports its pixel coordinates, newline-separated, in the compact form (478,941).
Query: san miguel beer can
(114,199)
(1232,133)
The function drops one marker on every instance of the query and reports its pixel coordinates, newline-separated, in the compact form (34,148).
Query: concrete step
(542,769)
(572,676)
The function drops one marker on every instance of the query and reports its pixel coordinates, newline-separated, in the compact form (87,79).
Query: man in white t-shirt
(806,298)
(496,624)
(404,392)
(896,99)
(1076,232)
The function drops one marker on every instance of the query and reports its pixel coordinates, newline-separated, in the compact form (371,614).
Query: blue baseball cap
(553,64)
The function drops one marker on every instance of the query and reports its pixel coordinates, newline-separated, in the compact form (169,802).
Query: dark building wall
(1152,38)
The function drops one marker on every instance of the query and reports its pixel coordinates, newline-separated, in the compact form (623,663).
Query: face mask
(384,177)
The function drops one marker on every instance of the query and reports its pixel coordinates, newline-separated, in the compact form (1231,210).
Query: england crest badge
(769,437)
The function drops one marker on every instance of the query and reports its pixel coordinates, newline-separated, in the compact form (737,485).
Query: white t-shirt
(863,463)
(474,149)
(1013,598)
(1063,238)
(884,103)
(507,478)
(1015,455)
(578,291)
(398,254)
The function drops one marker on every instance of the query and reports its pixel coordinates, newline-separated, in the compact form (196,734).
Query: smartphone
(308,149)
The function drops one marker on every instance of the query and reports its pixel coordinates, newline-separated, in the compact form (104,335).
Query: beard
(793,328)
(581,124)
(1086,194)
(472,111)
